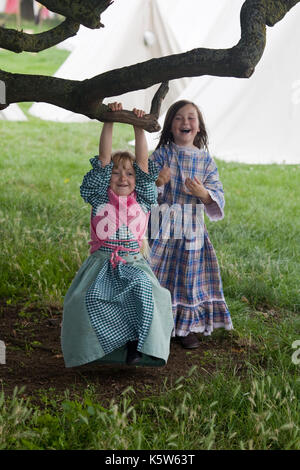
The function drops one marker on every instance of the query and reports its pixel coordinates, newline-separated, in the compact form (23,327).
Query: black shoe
(133,355)
(154,358)
(190,341)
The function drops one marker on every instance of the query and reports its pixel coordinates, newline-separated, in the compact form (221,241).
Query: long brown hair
(166,137)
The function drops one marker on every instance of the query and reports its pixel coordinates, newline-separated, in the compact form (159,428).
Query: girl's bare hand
(115,106)
(139,112)
(195,187)
(164,175)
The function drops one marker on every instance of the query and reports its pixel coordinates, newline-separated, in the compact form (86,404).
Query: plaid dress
(115,297)
(185,261)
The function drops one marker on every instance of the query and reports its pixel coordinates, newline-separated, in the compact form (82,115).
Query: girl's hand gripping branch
(105,144)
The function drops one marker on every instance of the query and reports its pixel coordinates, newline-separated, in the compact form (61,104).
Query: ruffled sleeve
(145,186)
(95,183)
(215,210)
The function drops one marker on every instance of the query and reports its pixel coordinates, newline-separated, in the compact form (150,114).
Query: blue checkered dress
(110,302)
(119,302)
(190,271)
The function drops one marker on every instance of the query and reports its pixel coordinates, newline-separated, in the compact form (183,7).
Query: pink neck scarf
(120,210)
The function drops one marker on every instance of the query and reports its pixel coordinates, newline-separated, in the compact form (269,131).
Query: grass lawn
(44,230)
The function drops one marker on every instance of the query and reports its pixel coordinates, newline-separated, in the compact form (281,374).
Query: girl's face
(122,180)
(185,126)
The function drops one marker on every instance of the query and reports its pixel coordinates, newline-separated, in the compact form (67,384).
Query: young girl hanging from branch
(115,310)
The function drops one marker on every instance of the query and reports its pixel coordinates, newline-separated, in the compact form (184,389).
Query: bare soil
(34,360)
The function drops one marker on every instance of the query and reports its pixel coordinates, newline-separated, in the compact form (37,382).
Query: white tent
(255,120)
(12,113)
(250,120)
(2,5)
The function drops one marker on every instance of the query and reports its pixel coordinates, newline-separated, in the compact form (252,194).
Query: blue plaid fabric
(190,273)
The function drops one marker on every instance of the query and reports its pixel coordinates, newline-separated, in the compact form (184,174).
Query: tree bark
(86,97)
(86,12)
(17,41)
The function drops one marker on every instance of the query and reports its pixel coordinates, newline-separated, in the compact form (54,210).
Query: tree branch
(86,97)
(86,12)
(26,86)
(277,9)
(149,122)
(77,12)
(158,99)
(17,41)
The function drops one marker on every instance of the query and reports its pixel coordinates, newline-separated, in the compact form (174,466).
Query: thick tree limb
(23,87)
(277,9)
(17,41)
(86,97)
(86,12)
(148,122)
(77,12)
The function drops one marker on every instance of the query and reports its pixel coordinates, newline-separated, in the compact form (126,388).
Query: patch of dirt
(34,360)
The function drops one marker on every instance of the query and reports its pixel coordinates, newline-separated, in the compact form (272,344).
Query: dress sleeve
(95,183)
(215,210)
(158,158)
(145,186)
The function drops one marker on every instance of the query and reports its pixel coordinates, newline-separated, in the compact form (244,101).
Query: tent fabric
(12,113)
(249,120)
(2,6)
(255,120)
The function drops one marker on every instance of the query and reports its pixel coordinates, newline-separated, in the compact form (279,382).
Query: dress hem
(206,331)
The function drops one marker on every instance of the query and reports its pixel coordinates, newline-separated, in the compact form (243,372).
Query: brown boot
(190,341)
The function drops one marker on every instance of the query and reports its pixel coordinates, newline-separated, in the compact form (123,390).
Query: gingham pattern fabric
(119,302)
(120,306)
(191,275)
(96,183)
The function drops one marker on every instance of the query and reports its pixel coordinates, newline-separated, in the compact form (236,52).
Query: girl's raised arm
(105,144)
(141,147)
